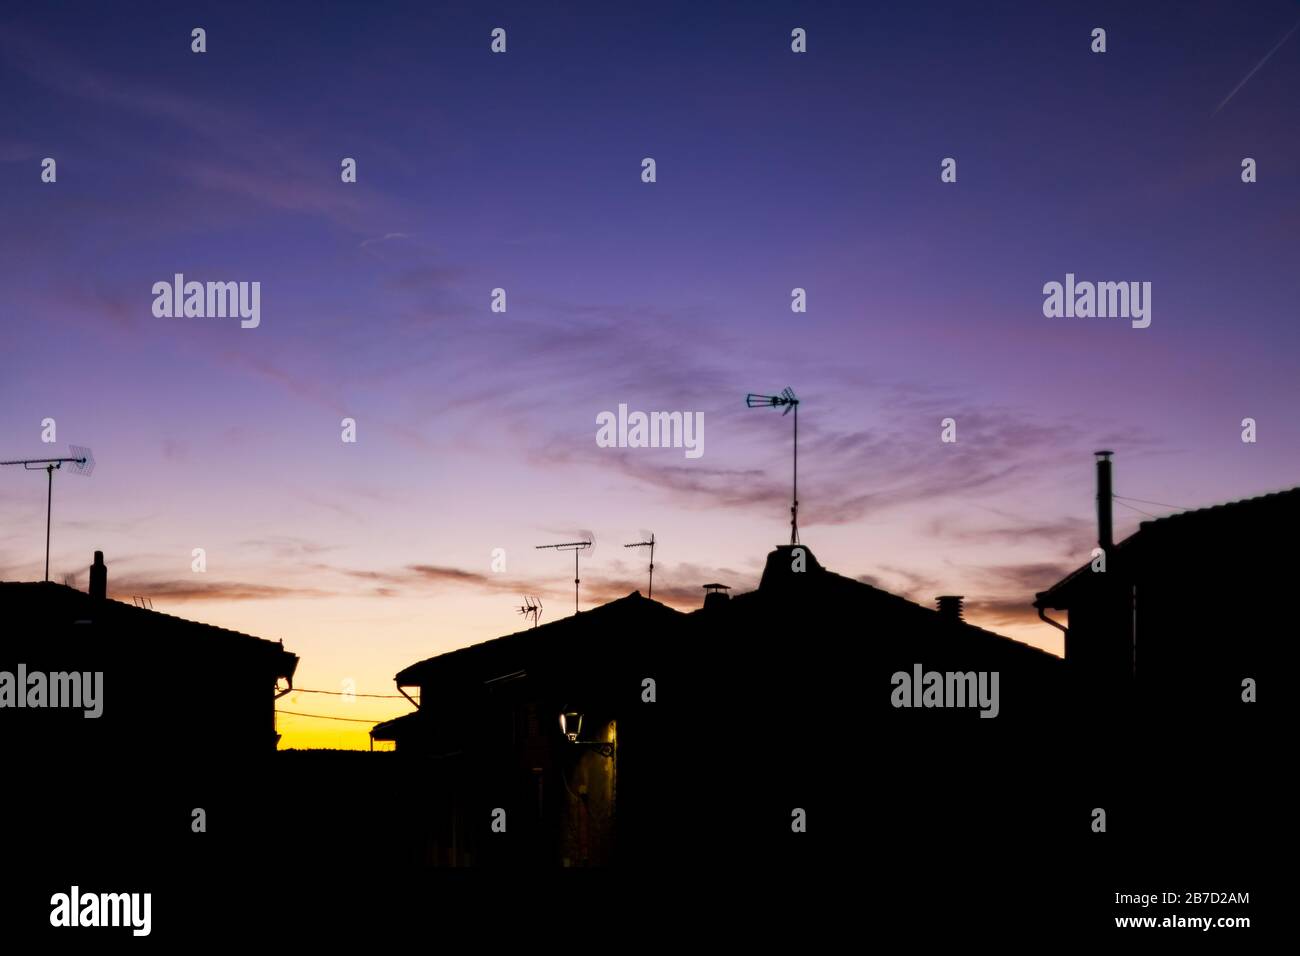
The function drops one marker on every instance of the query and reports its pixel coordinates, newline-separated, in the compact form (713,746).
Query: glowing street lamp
(571,727)
(571,724)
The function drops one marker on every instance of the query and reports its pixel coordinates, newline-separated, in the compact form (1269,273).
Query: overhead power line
(1161,504)
(1138,510)
(355,720)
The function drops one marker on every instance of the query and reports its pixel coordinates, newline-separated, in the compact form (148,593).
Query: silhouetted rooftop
(606,628)
(816,586)
(599,624)
(45,601)
(1258,516)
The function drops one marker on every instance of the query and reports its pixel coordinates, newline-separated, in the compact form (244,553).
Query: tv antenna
(575,547)
(532,607)
(651,545)
(82,462)
(787,400)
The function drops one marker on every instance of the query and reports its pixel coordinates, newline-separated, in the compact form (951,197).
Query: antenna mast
(532,607)
(651,545)
(787,400)
(575,547)
(82,462)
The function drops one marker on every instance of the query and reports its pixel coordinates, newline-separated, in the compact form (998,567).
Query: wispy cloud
(181,590)
(386,237)
(1063,533)
(286,546)
(858,473)
(267,164)
(676,584)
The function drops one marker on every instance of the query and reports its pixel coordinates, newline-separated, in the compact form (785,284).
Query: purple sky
(522,171)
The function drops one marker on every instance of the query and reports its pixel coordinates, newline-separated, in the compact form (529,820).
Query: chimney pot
(950,606)
(99,577)
(715,595)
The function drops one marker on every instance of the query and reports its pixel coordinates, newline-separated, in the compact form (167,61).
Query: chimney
(950,606)
(715,595)
(99,577)
(1105,494)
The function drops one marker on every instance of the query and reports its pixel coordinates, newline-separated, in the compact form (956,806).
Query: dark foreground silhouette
(772,708)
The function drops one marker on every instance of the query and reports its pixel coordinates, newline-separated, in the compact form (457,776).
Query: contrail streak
(1255,70)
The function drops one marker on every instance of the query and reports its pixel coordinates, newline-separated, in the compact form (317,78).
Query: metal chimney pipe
(1105,503)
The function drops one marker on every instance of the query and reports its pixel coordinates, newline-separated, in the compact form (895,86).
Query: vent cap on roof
(716,594)
(98,578)
(950,606)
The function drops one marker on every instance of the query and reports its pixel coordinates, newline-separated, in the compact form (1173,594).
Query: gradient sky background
(477,430)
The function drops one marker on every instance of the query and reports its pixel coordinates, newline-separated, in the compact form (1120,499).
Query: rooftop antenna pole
(49,514)
(650,592)
(82,462)
(532,607)
(789,402)
(575,547)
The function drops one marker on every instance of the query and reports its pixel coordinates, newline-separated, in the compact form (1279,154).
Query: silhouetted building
(490,718)
(1187,606)
(800,674)
(166,682)
(760,702)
